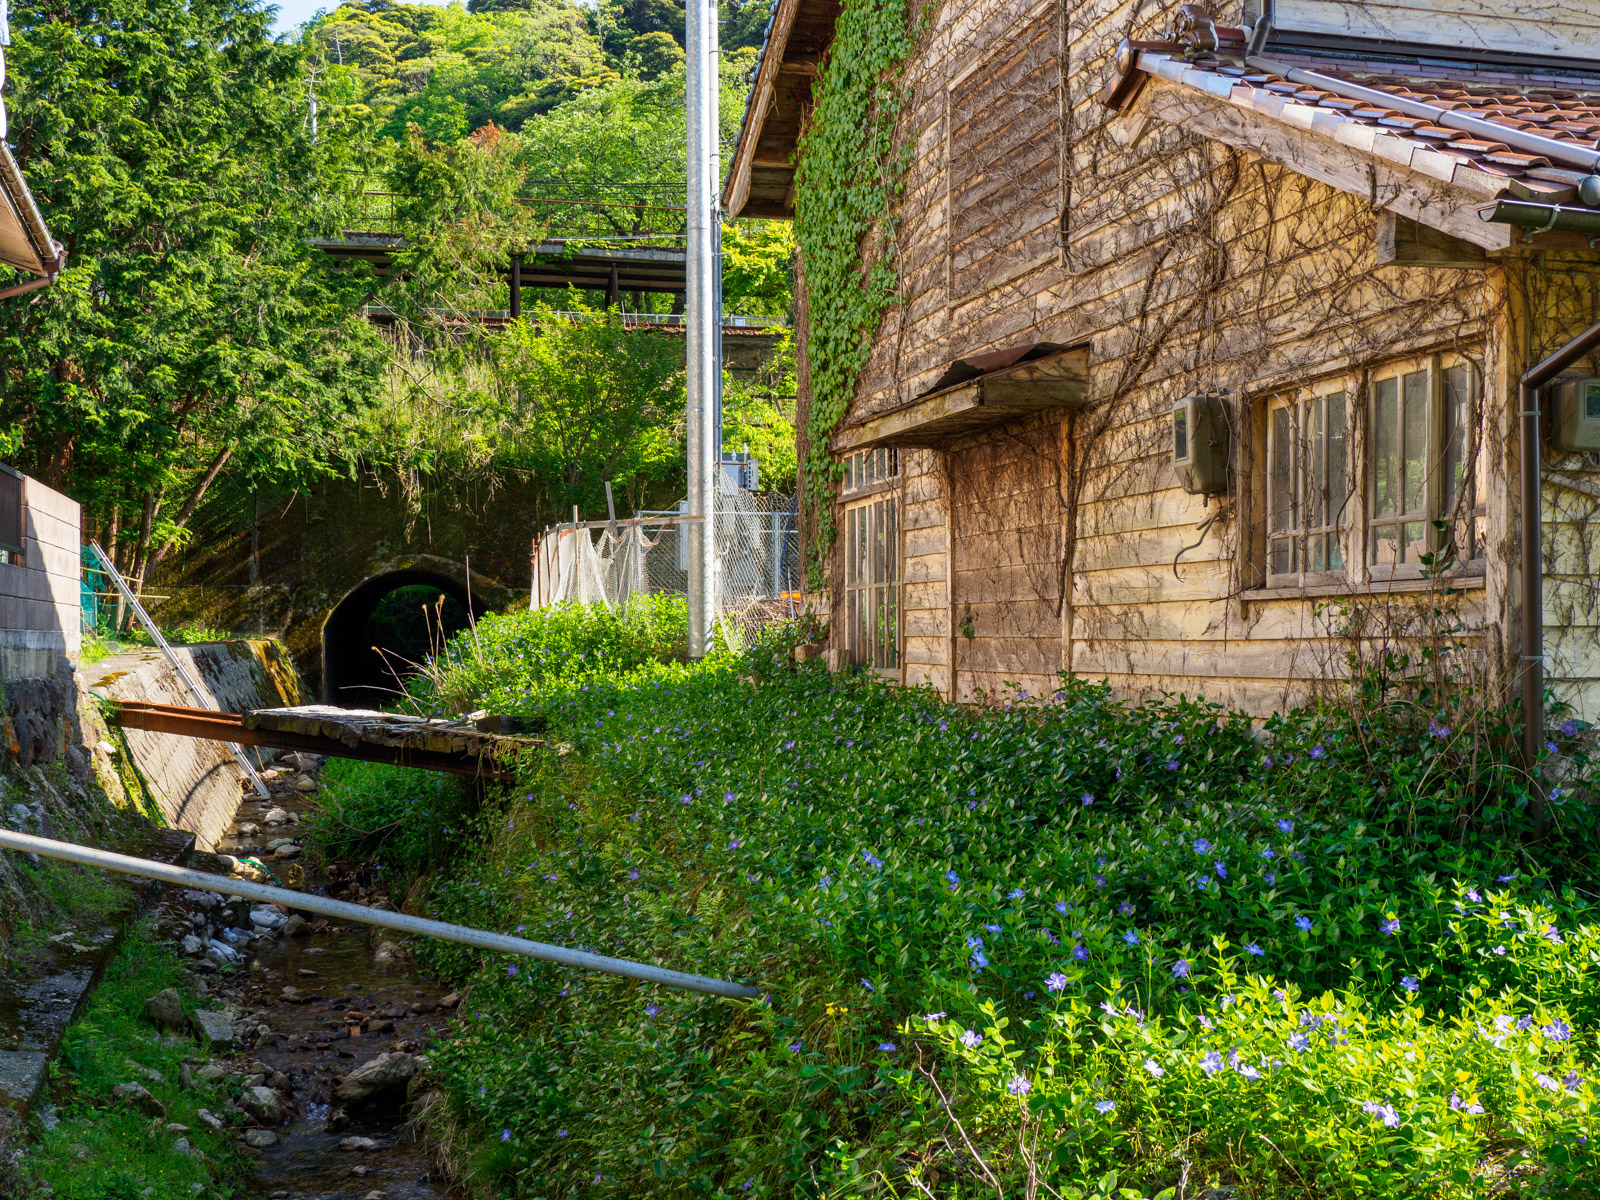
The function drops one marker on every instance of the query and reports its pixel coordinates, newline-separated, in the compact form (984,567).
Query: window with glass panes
(1308,487)
(872,558)
(1423,466)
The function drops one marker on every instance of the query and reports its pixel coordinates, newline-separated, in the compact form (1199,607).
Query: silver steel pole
(700,306)
(339,910)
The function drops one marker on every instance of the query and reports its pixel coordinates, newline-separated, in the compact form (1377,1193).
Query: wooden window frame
(1468,534)
(1336,525)
(872,543)
(1360,573)
(12,551)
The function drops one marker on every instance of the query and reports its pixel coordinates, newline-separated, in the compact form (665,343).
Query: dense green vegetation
(103,1148)
(195,356)
(1062,942)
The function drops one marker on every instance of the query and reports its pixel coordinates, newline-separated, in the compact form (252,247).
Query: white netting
(758,560)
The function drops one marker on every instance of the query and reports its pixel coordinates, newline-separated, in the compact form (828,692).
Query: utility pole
(704,322)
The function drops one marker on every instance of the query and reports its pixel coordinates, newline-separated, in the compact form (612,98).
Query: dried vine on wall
(851,172)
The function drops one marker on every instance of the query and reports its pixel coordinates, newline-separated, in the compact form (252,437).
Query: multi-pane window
(1308,487)
(872,559)
(1423,466)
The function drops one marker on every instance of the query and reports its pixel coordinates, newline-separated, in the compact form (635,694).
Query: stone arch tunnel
(383,630)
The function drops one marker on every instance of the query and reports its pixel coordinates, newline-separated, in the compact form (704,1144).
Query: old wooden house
(1203,374)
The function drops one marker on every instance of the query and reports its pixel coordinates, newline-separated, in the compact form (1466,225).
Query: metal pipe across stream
(340,910)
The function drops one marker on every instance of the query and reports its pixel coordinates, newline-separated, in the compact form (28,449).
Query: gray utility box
(1575,404)
(1200,446)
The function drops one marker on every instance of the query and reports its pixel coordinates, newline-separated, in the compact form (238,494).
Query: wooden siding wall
(1187,267)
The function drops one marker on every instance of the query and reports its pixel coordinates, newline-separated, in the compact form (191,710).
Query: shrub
(1083,884)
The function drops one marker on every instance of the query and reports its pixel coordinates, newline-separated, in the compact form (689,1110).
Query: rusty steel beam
(229,727)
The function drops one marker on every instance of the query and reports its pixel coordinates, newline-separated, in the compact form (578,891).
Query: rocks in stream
(210,1120)
(262,1103)
(165,1009)
(260,1139)
(357,1145)
(378,1075)
(213,1029)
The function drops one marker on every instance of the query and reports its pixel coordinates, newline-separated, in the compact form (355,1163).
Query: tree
(587,400)
(191,336)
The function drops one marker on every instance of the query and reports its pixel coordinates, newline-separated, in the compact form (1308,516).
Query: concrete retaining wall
(196,783)
(40,597)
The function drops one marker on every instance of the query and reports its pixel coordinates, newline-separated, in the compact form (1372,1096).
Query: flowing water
(350,997)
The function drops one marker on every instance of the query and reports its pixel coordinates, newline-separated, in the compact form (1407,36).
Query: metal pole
(339,910)
(700,308)
(516,287)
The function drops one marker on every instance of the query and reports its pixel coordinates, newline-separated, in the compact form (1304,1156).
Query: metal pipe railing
(342,911)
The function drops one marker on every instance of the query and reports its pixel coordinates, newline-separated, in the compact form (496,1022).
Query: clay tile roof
(1568,115)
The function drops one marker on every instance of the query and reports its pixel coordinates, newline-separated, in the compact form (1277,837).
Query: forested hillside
(196,356)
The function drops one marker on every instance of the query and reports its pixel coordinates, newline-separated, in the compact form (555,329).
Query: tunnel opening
(385,629)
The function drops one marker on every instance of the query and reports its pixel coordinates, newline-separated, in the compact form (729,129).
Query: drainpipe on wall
(1532,543)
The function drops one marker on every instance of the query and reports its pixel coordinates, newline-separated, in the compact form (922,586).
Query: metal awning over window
(986,389)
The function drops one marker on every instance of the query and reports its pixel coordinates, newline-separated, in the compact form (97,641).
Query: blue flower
(1201,846)
(1131,938)
(979,960)
(1155,1068)
(1016,893)
(974,943)
(652,1010)
(1106,1106)
(868,986)
(1061,907)
(1557,1031)
(952,879)
(1252,948)
(886,1047)
(872,860)
(1383,1112)
(1473,1108)
(796,1047)
(1472,894)
(1285,825)
(1409,983)
(1270,878)
(971,1038)
(992,928)
(1317,752)
(1299,1041)
(1211,1062)
(1020,1085)
(1222,870)
(1303,924)
(1391,926)
(1080,952)
(1087,799)
(1180,969)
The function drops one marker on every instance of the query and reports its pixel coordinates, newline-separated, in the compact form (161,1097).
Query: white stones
(358,1145)
(262,1103)
(377,1075)
(268,918)
(288,851)
(210,1120)
(260,1139)
(276,816)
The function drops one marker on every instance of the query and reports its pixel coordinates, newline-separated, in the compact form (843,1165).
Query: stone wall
(196,784)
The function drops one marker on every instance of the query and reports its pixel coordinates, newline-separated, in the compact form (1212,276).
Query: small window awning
(977,392)
(25,243)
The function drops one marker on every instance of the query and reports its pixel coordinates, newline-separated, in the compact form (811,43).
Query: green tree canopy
(191,335)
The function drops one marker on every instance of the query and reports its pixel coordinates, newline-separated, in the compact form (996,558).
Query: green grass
(101,1149)
(1078,944)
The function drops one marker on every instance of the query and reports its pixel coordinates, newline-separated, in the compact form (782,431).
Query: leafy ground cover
(1064,945)
(101,1148)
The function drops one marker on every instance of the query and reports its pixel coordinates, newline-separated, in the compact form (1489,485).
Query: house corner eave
(25,242)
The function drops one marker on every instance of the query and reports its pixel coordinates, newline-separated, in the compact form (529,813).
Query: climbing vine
(851,171)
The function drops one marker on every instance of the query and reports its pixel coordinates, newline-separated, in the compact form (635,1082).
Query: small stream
(335,998)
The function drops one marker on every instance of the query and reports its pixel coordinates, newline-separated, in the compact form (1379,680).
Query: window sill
(1466,580)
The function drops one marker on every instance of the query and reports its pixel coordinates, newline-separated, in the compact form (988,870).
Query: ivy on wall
(850,174)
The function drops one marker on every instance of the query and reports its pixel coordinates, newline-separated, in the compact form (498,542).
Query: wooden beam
(1402,242)
(1410,193)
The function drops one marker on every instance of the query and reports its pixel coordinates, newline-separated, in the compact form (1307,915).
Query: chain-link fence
(758,560)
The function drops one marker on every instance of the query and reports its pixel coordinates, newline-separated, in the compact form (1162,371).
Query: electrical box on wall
(1200,447)
(1575,404)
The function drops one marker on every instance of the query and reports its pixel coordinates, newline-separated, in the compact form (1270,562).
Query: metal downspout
(1529,387)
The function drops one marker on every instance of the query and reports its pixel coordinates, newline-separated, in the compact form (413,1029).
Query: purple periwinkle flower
(971,1038)
(1087,799)
(1246,1070)
(886,1047)
(1285,825)
(1180,969)
(868,986)
(1156,1070)
(1202,846)
(1303,924)
(1211,1062)
(1317,752)
(1016,893)
(1222,870)
(1299,1041)
(1020,1085)
(1557,1031)
(1056,982)
(1061,907)
(1106,1106)
(1252,948)
(979,960)
(1383,1112)
(1391,926)
(1080,952)
(1409,983)
(652,1010)
(505,1135)
(1474,1108)
(1131,938)
(1472,894)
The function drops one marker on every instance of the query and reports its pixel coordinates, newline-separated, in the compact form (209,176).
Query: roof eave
(25,242)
